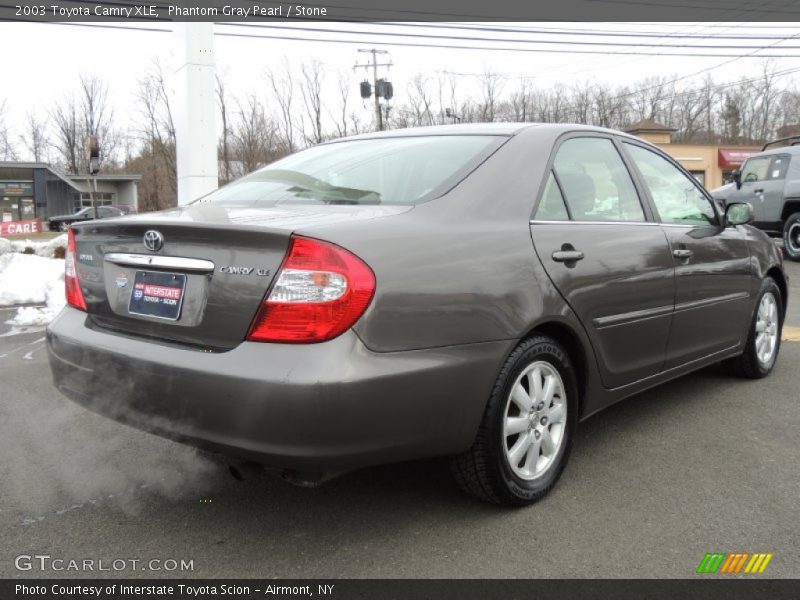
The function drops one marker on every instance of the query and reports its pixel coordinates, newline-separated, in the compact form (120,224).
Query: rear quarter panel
(459,269)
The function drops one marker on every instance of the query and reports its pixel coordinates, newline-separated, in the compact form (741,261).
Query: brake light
(320,291)
(72,286)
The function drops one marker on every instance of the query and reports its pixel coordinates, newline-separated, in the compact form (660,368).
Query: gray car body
(773,201)
(461,279)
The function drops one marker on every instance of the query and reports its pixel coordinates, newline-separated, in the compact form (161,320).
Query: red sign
(734,157)
(20,227)
(159,291)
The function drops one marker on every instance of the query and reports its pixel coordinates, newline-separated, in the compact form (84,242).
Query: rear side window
(778,167)
(399,170)
(552,207)
(595,181)
(676,195)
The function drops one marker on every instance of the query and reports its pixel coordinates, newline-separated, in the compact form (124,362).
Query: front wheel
(764,336)
(524,439)
(791,237)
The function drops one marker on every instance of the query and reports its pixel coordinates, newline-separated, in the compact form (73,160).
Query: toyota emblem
(153,240)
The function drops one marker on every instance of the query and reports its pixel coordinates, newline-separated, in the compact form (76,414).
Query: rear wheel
(764,337)
(524,439)
(63,226)
(791,237)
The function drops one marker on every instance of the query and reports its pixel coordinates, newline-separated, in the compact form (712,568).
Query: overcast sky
(40,61)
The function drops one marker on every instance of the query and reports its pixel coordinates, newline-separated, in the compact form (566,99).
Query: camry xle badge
(153,240)
(244,271)
(121,280)
(236,270)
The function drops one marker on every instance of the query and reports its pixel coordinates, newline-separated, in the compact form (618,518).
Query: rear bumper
(317,407)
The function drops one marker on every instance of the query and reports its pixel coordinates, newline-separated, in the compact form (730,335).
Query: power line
(445,46)
(501,40)
(722,5)
(506,49)
(591,33)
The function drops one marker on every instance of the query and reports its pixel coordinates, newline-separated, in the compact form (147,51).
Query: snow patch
(45,248)
(31,279)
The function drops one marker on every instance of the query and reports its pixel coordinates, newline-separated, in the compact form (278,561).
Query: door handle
(682,253)
(567,256)
(759,191)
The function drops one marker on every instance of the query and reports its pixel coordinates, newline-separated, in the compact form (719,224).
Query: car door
(763,181)
(712,262)
(606,256)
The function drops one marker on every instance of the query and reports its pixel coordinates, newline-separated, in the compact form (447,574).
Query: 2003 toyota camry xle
(465,291)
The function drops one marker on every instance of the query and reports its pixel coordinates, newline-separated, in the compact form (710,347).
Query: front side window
(765,168)
(595,181)
(398,170)
(676,196)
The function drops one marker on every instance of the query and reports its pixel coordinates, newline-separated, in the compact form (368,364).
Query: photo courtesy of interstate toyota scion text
(464,291)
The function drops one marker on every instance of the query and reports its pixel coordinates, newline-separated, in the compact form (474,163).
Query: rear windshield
(401,170)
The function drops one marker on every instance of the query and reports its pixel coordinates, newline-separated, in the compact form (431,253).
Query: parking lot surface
(706,463)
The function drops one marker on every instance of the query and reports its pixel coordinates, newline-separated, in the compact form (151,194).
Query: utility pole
(92,147)
(195,132)
(375,84)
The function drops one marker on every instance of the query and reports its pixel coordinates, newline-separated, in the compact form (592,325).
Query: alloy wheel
(766,328)
(535,420)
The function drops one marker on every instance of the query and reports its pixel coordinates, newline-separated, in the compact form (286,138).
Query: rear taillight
(71,284)
(320,291)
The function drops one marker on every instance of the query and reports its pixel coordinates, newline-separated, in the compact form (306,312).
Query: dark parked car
(62,222)
(465,291)
(770,181)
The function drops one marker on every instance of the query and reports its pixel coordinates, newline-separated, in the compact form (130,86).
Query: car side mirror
(738,213)
(737,179)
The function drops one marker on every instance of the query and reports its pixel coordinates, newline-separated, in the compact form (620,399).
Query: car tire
(764,335)
(498,468)
(791,237)
(63,227)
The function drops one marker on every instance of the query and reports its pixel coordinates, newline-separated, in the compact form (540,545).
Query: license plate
(157,295)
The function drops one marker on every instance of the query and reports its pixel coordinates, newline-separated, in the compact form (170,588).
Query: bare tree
(224,149)
(520,102)
(35,137)
(282,86)
(97,114)
(75,117)
(311,91)
(254,135)
(159,184)
(340,121)
(67,140)
(420,101)
(491,86)
(7,151)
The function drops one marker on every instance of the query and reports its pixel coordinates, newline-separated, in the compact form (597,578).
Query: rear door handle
(761,191)
(683,254)
(567,256)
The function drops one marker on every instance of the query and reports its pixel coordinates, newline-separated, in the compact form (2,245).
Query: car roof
(779,150)
(501,129)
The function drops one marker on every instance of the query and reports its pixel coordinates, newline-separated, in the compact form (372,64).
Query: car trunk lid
(205,282)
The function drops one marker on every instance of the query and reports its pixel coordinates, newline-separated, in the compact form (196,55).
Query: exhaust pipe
(245,470)
(308,479)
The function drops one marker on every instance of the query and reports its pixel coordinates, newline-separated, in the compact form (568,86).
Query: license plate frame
(163,286)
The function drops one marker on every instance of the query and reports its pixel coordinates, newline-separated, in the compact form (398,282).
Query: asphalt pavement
(706,463)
